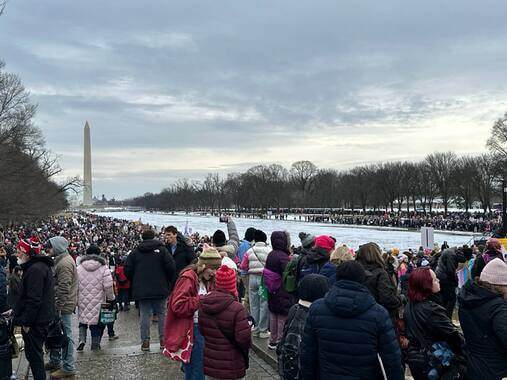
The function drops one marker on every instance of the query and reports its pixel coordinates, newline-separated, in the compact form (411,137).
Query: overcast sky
(179,88)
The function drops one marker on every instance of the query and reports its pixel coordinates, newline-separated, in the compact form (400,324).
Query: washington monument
(87,185)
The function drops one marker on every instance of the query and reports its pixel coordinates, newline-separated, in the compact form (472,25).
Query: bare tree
(443,166)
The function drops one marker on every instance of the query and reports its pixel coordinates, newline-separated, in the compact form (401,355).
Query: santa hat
(29,247)
(225,278)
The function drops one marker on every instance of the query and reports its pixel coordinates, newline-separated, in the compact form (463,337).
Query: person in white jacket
(253,262)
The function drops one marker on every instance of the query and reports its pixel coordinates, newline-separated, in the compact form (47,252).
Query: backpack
(290,275)
(288,350)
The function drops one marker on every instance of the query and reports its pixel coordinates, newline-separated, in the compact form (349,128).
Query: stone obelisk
(87,183)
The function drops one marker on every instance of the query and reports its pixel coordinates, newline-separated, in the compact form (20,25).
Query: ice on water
(350,235)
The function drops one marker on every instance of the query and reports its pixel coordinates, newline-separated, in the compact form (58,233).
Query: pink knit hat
(495,272)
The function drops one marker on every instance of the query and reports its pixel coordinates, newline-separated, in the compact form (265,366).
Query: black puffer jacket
(36,304)
(483,318)
(150,268)
(344,332)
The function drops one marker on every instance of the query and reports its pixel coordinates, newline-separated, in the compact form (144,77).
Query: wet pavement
(123,358)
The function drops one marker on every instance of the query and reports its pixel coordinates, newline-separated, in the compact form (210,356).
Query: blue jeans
(146,308)
(65,357)
(195,369)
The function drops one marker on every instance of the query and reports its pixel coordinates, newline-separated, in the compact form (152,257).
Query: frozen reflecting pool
(350,235)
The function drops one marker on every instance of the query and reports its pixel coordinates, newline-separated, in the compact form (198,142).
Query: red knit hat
(325,242)
(26,245)
(225,278)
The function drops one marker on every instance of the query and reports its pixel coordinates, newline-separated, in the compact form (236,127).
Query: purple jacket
(95,286)
(280,301)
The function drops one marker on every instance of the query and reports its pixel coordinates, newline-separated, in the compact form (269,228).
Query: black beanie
(260,236)
(250,234)
(312,287)
(93,250)
(219,238)
(352,271)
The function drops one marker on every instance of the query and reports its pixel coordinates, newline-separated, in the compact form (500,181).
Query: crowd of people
(473,221)
(328,311)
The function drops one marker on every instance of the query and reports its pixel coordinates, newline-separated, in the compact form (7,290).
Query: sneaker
(51,367)
(146,345)
(62,374)
(264,334)
(162,344)
(114,337)
(80,346)
(272,346)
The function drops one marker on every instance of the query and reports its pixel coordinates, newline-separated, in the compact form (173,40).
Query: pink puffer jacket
(95,286)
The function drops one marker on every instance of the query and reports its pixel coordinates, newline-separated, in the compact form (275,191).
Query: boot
(95,343)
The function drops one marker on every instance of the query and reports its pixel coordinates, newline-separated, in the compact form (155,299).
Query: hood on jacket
(448,263)
(317,255)
(147,246)
(473,295)
(348,299)
(280,240)
(216,301)
(92,262)
(39,258)
(59,244)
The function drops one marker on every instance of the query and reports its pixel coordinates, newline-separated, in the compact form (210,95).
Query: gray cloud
(184,87)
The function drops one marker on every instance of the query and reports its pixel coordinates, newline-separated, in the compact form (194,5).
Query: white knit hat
(495,272)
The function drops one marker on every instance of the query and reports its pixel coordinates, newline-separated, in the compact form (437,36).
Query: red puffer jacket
(220,313)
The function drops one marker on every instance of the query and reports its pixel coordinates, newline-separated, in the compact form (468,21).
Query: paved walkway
(123,359)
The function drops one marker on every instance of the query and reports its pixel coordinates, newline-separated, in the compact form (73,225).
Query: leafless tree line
(452,179)
(28,190)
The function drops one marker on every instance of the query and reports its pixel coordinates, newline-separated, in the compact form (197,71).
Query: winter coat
(14,290)
(446,272)
(383,290)
(343,334)
(3,290)
(483,318)
(317,262)
(481,261)
(182,305)
(122,281)
(231,247)
(183,255)
(150,268)
(251,263)
(66,284)
(289,348)
(429,320)
(223,322)
(280,301)
(36,306)
(95,287)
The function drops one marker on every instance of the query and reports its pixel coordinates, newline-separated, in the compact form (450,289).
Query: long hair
(420,284)
(370,254)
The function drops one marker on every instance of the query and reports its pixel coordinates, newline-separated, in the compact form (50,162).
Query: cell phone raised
(223,219)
